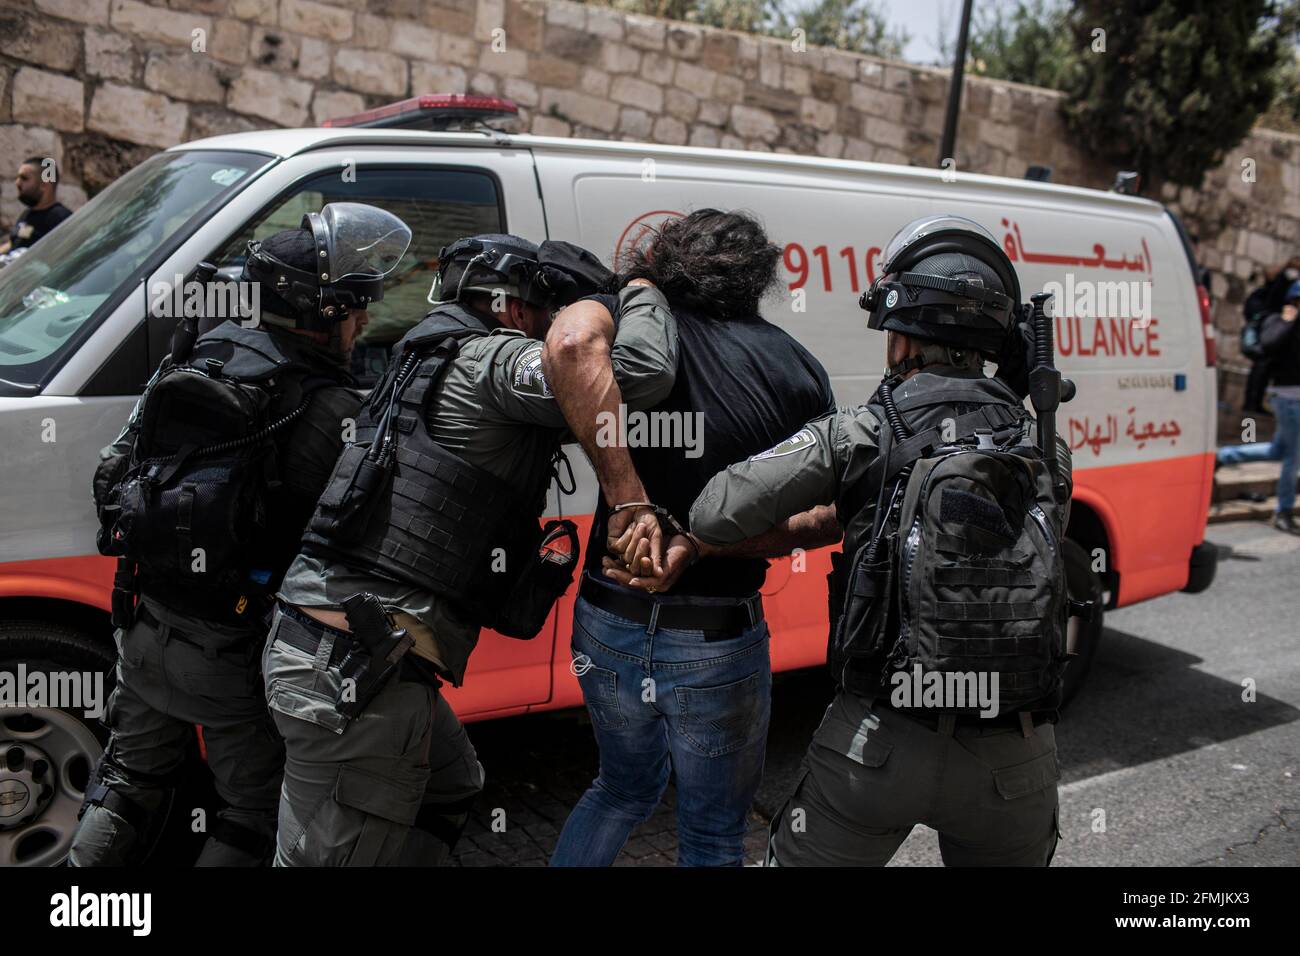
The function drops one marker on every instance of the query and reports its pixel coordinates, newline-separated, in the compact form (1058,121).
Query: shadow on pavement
(1135,708)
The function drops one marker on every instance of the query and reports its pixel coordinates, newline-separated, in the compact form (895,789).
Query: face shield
(356,247)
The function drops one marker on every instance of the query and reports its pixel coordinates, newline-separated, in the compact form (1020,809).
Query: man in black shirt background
(37,182)
(680,683)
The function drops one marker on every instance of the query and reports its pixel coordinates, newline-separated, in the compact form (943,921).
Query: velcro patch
(803,438)
(527,377)
(964,507)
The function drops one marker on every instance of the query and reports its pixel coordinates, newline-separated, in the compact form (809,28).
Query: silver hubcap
(46,758)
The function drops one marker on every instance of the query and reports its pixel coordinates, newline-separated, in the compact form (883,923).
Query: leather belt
(718,622)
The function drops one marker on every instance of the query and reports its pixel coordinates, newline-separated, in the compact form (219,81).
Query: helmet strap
(935,354)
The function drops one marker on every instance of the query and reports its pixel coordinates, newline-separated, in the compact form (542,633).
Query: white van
(77,344)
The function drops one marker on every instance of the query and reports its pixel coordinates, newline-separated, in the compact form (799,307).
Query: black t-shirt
(34,223)
(1281,343)
(741,388)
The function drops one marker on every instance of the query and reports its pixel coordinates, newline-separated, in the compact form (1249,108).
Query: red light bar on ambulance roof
(435,112)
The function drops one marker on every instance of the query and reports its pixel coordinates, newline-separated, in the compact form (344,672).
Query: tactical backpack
(955,566)
(190,509)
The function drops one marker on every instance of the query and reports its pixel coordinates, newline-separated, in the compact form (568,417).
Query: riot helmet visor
(359,241)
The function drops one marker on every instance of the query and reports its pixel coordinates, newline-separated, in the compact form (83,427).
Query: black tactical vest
(402,507)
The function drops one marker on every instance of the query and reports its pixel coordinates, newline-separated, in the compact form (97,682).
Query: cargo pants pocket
(388,810)
(1029,777)
(308,705)
(298,686)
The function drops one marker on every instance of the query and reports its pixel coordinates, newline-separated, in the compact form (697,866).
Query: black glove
(569,272)
(1016,356)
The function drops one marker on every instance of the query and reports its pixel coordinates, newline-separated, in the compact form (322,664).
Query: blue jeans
(1284,447)
(660,700)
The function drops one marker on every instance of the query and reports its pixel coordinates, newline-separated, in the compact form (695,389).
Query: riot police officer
(203,498)
(427,532)
(918,592)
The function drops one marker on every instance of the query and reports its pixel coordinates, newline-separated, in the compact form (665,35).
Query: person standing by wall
(38,183)
(1280,343)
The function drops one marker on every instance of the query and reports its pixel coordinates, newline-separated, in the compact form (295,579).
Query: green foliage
(1284,114)
(1167,87)
(856,25)
(1171,85)
(1030,43)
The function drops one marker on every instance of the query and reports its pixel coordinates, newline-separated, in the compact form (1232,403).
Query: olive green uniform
(353,790)
(873,772)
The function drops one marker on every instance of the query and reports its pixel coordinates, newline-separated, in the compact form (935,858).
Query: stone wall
(101,84)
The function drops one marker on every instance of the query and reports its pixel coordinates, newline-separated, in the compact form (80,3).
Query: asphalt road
(1163,762)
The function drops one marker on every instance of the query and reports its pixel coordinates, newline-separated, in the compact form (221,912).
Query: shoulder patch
(803,438)
(526,378)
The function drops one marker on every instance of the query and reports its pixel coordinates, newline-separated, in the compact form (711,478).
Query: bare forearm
(593,399)
(577,366)
(811,529)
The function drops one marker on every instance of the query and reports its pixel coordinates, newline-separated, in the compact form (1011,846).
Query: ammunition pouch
(348,502)
(862,601)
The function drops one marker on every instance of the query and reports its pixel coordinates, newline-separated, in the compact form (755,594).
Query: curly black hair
(713,263)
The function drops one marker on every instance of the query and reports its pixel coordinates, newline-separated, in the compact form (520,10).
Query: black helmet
(355,246)
(489,263)
(945,279)
(551,275)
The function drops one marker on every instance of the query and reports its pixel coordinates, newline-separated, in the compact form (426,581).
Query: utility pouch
(836,581)
(868,594)
(354,487)
(547,575)
(122,612)
(108,476)
(376,653)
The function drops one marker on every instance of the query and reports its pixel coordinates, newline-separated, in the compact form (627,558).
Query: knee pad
(133,813)
(232,844)
(114,829)
(437,829)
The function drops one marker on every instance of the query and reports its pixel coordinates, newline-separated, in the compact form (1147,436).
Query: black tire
(64,741)
(49,647)
(1082,584)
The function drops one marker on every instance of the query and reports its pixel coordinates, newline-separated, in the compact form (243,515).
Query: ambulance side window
(440,206)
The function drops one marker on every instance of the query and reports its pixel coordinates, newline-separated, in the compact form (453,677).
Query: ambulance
(80,333)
